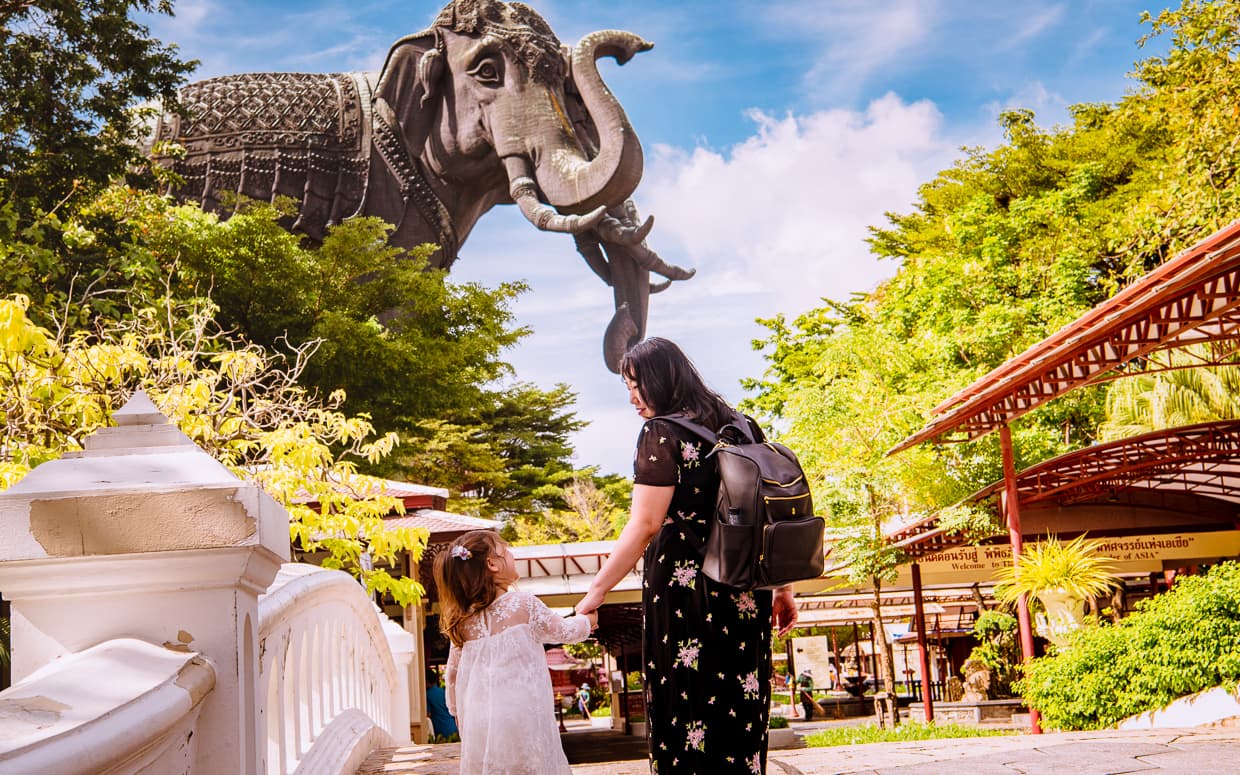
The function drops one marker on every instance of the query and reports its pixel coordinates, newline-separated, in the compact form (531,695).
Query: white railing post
(145,536)
(402,645)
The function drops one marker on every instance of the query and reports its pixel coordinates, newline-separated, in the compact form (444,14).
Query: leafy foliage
(1173,390)
(596,510)
(71,73)
(910,730)
(997,649)
(1073,568)
(1000,250)
(238,402)
(1184,641)
(418,354)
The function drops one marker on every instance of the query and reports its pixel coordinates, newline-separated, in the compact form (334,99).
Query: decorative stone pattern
(262,135)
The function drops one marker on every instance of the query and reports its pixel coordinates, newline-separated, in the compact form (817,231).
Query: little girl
(499,688)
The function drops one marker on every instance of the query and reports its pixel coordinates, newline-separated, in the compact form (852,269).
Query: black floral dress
(706,646)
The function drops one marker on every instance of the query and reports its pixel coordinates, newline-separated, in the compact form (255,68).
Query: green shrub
(911,730)
(778,722)
(996,649)
(1178,643)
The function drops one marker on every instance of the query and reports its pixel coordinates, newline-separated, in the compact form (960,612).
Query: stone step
(439,759)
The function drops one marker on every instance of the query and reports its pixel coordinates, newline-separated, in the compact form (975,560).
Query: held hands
(590,603)
(593,617)
(784,610)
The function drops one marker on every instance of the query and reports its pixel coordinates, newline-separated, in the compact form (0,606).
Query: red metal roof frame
(1202,460)
(1193,298)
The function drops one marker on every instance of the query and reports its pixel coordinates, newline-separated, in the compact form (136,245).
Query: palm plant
(1062,576)
(1181,393)
(4,641)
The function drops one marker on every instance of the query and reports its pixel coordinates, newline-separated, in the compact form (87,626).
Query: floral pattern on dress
(695,736)
(691,454)
(746,607)
(706,645)
(687,656)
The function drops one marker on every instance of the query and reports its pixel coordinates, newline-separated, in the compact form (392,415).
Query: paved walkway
(1200,751)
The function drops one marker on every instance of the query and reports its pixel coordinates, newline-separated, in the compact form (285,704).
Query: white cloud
(856,38)
(772,224)
(782,217)
(1032,25)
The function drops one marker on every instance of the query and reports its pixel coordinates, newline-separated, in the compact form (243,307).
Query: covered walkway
(1193,299)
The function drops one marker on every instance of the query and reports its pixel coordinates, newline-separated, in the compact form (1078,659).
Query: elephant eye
(487,71)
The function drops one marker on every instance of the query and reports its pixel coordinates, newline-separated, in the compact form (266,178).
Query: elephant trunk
(570,183)
(631,285)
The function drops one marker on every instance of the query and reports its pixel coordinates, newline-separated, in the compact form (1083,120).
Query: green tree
(999,250)
(588,507)
(71,74)
(418,354)
(240,403)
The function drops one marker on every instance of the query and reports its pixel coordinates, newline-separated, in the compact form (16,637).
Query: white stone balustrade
(139,643)
(78,715)
(335,673)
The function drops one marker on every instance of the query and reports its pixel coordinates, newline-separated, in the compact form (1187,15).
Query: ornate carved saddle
(303,135)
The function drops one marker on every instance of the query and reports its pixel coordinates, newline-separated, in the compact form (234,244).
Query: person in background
(437,706)
(805,687)
(499,688)
(583,700)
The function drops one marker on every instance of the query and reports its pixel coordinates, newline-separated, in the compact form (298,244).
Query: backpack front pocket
(791,551)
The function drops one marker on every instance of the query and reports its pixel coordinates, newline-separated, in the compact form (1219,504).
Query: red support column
(923,654)
(1011,508)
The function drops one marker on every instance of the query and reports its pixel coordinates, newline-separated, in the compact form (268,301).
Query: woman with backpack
(707,646)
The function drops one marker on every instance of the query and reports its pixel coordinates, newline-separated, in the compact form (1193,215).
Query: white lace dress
(499,688)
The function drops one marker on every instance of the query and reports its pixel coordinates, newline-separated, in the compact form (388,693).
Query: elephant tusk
(524,192)
(615,230)
(660,287)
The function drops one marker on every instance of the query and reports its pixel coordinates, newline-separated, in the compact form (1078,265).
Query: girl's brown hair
(466,584)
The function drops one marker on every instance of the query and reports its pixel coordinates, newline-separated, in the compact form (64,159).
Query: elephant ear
(409,84)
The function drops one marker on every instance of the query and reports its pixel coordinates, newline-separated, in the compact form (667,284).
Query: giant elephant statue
(483,108)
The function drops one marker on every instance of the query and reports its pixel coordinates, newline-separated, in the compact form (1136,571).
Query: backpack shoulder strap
(693,427)
(710,437)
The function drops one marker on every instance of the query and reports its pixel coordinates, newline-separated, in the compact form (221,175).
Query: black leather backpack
(764,533)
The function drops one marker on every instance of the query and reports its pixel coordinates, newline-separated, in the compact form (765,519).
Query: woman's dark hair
(466,585)
(669,382)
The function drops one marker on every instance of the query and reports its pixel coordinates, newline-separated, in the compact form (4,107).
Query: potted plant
(1062,576)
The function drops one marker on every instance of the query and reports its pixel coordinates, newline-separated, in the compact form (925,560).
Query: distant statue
(976,680)
(483,108)
(953,689)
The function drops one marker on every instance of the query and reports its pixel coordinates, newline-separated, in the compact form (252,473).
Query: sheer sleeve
(655,461)
(550,628)
(454,662)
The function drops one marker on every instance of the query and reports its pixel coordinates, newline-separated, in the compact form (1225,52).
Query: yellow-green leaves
(235,400)
(1075,568)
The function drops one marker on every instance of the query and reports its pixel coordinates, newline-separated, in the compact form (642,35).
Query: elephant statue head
(484,107)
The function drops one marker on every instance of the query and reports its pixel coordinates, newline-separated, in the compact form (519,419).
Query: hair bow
(461,553)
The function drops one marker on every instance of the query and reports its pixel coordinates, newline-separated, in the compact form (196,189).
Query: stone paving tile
(1083,758)
(1199,757)
(1192,751)
(1205,751)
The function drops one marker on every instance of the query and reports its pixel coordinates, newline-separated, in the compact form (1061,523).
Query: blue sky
(775,134)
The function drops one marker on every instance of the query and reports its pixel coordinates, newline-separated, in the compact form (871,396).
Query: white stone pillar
(143,535)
